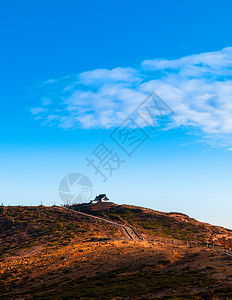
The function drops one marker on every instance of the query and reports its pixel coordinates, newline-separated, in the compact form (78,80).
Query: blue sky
(72,71)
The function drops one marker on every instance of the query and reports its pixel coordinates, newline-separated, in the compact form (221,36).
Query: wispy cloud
(46,101)
(197,87)
(38,110)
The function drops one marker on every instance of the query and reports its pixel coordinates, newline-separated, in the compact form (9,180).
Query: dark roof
(101,196)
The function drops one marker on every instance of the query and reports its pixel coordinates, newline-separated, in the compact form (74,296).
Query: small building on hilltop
(100,198)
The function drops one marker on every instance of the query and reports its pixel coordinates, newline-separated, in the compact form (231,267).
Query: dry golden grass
(101,262)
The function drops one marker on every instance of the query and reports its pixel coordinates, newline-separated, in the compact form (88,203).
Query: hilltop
(152,223)
(57,253)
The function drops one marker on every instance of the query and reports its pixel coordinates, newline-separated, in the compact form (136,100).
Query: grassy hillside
(46,227)
(54,253)
(153,223)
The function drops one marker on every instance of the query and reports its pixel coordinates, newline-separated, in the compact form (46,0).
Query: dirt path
(130,232)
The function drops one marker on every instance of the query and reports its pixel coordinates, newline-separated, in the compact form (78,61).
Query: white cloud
(107,76)
(211,63)
(198,88)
